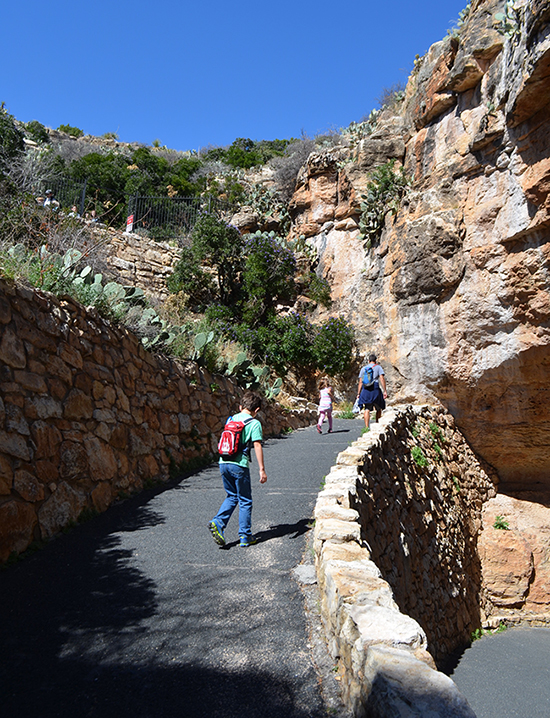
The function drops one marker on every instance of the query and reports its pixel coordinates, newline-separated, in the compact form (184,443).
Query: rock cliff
(454,294)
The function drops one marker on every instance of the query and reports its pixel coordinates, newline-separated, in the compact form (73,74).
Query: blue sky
(194,74)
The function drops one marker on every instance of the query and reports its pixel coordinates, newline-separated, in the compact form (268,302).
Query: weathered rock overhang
(396,535)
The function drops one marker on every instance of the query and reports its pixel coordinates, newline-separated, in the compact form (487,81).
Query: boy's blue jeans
(236,482)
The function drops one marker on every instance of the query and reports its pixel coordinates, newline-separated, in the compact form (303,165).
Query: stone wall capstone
(86,413)
(396,528)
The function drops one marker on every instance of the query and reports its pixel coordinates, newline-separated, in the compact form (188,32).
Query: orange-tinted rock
(17,521)
(28,486)
(507,566)
(62,507)
(102,496)
(101,460)
(454,296)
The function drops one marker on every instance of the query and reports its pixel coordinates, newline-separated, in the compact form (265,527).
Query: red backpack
(229,444)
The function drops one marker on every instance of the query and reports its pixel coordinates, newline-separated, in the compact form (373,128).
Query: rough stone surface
(96,415)
(455,295)
(410,578)
(516,562)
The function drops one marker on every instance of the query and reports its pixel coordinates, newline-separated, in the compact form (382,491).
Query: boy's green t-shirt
(251,432)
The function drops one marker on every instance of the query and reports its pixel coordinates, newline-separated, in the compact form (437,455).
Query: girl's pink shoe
(319,429)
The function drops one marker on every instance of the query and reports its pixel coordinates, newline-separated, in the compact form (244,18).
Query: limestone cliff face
(454,297)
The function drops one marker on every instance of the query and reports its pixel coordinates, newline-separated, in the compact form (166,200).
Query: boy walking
(236,474)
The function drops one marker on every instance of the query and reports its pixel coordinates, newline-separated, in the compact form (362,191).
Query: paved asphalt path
(507,675)
(138,613)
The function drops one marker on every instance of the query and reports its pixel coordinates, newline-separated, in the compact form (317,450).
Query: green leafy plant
(37,132)
(72,131)
(344,410)
(508,22)
(333,346)
(436,432)
(318,289)
(356,131)
(415,431)
(456,484)
(385,189)
(477,634)
(463,16)
(268,276)
(501,523)
(418,457)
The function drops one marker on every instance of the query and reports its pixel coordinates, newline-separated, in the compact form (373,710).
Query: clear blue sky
(206,72)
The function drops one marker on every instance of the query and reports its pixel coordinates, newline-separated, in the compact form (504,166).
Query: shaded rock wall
(455,296)
(397,563)
(86,413)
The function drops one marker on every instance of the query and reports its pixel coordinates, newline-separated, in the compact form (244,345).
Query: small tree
(220,245)
(268,277)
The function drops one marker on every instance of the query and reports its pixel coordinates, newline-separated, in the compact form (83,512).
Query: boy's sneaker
(245,541)
(217,535)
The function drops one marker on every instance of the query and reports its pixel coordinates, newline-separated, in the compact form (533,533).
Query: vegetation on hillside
(232,305)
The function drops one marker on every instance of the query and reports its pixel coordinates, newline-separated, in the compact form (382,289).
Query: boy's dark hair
(251,401)
(372,358)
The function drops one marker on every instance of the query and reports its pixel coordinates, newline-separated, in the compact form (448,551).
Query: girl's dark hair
(251,401)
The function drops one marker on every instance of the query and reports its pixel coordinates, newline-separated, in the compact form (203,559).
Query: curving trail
(507,675)
(139,614)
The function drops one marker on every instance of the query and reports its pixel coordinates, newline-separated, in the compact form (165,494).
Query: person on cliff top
(236,474)
(371,391)
(325,406)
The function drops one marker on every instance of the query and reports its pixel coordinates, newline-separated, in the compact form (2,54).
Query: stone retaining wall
(139,262)
(87,413)
(395,542)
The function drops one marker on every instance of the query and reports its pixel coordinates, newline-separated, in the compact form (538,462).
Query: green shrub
(418,457)
(385,189)
(73,131)
(333,346)
(319,290)
(268,277)
(190,277)
(37,132)
(11,138)
(501,523)
(219,244)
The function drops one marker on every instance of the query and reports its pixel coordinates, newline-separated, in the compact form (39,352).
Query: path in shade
(138,614)
(507,675)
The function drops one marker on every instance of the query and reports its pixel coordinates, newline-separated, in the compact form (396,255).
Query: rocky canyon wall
(454,296)
(87,413)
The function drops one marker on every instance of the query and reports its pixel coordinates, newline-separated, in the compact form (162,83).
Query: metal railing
(66,191)
(170,217)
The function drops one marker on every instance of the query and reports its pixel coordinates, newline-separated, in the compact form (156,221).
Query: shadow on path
(136,614)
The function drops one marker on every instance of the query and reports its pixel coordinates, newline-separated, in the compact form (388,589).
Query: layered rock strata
(395,539)
(455,296)
(87,413)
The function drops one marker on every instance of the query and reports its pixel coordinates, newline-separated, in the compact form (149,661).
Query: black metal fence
(66,191)
(170,217)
